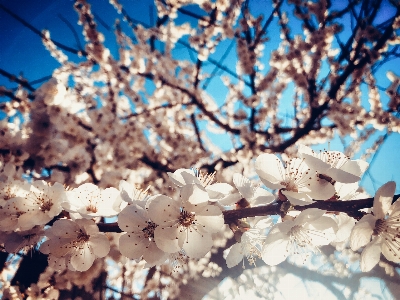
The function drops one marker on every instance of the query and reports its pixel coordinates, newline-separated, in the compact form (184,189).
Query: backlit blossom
(89,201)
(308,231)
(185,223)
(253,194)
(333,165)
(224,193)
(295,180)
(250,243)
(383,227)
(138,241)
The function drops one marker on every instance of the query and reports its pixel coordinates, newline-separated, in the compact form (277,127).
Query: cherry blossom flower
(333,165)
(79,242)
(40,205)
(383,227)
(296,181)
(224,193)
(185,223)
(130,194)
(309,230)
(253,194)
(89,201)
(250,243)
(138,241)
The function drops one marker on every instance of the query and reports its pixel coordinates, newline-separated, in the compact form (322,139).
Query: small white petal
(194,197)
(100,244)
(197,243)
(133,245)
(83,258)
(235,255)
(275,249)
(270,169)
(362,232)
(169,239)
(383,199)
(371,255)
(163,210)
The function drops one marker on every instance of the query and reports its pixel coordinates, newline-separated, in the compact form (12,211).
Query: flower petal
(362,232)
(133,245)
(83,258)
(275,250)
(234,256)
(132,218)
(210,219)
(197,243)
(371,255)
(163,210)
(270,169)
(169,239)
(100,244)
(383,199)
(194,197)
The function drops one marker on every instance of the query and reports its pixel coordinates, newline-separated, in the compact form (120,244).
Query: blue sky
(23,53)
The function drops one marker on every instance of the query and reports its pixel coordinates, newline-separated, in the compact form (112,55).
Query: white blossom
(383,227)
(89,201)
(250,243)
(309,230)
(295,180)
(138,239)
(185,223)
(333,165)
(79,242)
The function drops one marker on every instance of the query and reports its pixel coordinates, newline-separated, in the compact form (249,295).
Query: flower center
(380,226)
(186,218)
(149,229)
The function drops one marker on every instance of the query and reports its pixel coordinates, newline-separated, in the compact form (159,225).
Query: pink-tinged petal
(61,247)
(169,239)
(342,176)
(262,197)
(197,243)
(29,220)
(371,255)
(210,219)
(383,199)
(88,226)
(100,244)
(65,228)
(234,256)
(244,186)
(194,197)
(391,250)
(275,249)
(309,215)
(153,255)
(132,218)
(270,169)
(133,245)
(83,258)
(362,232)
(163,210)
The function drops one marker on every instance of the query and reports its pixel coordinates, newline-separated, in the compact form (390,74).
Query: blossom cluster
(158,228)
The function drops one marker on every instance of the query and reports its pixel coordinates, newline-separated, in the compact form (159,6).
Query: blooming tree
(111,172)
